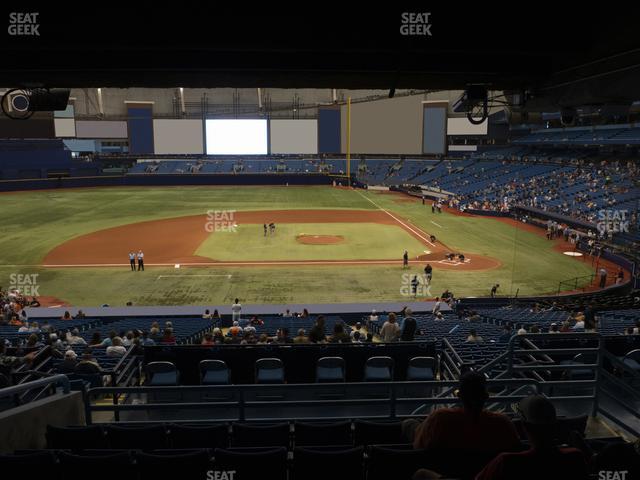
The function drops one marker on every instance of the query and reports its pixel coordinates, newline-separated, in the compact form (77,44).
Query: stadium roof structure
(594,55)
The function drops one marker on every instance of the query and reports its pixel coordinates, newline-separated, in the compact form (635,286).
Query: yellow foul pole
(349,141)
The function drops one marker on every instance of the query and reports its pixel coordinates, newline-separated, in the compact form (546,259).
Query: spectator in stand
(339,335)
(317,333)
(155,329)
(544,459)
(301,337)
(469,428)
(390,331)
(357,338)
(107,341)
(88,364)
(263,340)
(565,327)
(474,337)
(507,333)
(373,317)
(74,338)
(522,331)
(282,336)
(33,341)
(69,364)
(620,276)
(66,316)
(603,277)
(579,325)
(554,328)
(207,339)
(145,341)
(437,306)
(207,315)
(358,328)
(408,327)
(116,349)
(167,337)
(439,316)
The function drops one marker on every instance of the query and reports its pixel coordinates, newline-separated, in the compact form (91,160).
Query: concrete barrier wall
(24,427)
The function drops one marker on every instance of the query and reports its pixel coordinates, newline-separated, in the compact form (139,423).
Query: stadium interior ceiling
(569,59)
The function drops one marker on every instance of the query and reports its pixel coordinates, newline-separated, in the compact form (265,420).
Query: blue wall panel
(328,130)
(140,126)
(434,135)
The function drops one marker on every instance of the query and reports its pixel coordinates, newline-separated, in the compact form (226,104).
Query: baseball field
(208,245)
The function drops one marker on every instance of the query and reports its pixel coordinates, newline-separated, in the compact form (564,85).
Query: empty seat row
(177,436)
(378,462)
(271,370)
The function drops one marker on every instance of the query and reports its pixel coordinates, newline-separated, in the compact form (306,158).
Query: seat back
(378,369)
(372,433)
(269,370)
(199,436)
(76,438)
(143,438)
(187,464)
(265,464)
(330,369)
(394,462)
(260,435)
(320,464)
(421,368)
(214,372)
(162,373)
(102,467)
(312,434)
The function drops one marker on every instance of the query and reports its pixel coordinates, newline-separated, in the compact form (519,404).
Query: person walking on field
(140,261)
(428,272)
(132,261)
(405,259)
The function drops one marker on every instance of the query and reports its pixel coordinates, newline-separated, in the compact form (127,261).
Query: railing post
(598,378)
(241,413)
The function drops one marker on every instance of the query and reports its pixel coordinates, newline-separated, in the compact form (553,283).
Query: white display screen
(237,137)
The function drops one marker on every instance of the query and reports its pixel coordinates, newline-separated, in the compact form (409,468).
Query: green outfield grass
(38,221)
(361,241)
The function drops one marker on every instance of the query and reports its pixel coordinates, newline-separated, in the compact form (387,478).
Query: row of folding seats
(272,370)
(239,434)
(305,463)
(223,435)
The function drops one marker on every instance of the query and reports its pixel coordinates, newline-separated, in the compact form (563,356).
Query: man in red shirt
(544,459)
(470,428)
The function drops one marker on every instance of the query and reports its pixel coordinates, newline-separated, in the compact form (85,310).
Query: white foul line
(397,219)
(437,224)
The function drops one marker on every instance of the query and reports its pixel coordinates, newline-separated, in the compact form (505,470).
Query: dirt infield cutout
(174,240)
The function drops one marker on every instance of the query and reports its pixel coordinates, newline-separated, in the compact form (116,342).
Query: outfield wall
(147,180)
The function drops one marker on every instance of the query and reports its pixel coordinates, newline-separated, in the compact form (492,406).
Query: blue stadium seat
(214,372)
(330,369)
(162,374)
(269,370)
(372,433)
(421,369)
(174,464)
(145,437)
(378,369)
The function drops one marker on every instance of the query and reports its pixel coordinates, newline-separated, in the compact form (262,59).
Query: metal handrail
(58,380)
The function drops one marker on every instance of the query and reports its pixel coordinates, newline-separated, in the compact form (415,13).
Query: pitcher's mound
(319,239)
